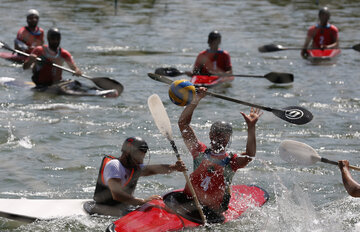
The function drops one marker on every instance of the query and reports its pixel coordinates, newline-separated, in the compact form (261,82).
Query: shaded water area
(52,146)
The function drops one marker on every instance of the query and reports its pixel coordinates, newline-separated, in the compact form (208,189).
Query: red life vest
(102,194)
(211,179)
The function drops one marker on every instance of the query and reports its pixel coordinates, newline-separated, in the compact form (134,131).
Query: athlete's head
(32,18)
(135,149)
(214,38)
(220,134)
(324,15)
(54,38)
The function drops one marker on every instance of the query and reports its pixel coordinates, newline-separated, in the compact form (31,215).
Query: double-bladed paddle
(301,153)
(102,82)
(275,77)
(162,122)
(277,47)
(293,114)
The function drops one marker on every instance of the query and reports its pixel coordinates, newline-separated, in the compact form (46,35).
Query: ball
(181,92)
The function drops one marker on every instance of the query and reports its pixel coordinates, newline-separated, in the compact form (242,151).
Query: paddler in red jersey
(212,61)
(323,35)
(214,167)
(351,186)
(30,36)
(118,178)
(44,73)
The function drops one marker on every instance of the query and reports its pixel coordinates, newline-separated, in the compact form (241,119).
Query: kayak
(12,57)
(210,81)
(327,56)
(172,213)
(67,87)
(30,210)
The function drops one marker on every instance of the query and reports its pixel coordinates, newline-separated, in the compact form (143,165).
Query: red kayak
(13,57)
(172,214)
(210,81)
(323,56)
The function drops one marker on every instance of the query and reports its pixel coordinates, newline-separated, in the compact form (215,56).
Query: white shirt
(114,169)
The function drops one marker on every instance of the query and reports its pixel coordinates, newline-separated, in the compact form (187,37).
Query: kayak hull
(158,216)
(326,56)
(210,81)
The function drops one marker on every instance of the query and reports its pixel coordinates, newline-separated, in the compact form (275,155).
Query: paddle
(162,122)
(277,47)
(102,82)
(275,77)
(293,114)
(303,154)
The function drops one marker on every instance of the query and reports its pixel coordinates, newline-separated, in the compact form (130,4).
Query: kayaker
(322,35)
(44,73)
(30,36)
(213,60)
(118,177)
(214,167)
(351,186)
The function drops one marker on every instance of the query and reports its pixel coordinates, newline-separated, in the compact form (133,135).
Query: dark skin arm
(120,195)
(351,186)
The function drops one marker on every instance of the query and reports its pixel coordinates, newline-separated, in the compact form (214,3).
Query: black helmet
(214,35)
(221,127)
(324,11)
(53,32)
(134,143)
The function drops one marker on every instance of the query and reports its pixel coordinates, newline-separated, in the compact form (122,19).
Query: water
(51,147)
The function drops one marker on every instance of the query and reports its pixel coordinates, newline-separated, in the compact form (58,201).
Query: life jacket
(212,179)
(102,194)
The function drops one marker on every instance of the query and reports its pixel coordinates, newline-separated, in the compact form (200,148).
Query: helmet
(221,127)
(53,32)
(132,144)
(324,11)
(214,35)
(32,12)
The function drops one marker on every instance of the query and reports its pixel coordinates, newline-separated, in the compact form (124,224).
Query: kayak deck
(13,57)
(210,81)
(323,56)
(159,216)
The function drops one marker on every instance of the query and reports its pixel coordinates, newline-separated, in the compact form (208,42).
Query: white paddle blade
(160,116)
(297,152)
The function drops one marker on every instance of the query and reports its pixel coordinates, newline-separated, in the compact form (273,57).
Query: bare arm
(163,168)
(351,186)
(30,61)
(187,132)
(73,66)
(121,196)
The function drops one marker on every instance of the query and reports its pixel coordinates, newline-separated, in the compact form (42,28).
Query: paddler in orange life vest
(323,35)
(30,36)
(214,167)
(44,73)
(118,178)
(212,61)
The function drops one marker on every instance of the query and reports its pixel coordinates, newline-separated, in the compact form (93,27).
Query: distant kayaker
(30,36)
(44,73)
(351,186)
(323,35)
(118,177)
(213,60)
(214,167)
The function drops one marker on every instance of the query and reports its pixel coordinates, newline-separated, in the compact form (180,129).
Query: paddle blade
(170,72)
(160,116)
(162,79)
(294,114)
(356,47)
(271,48)
(107,83)
(280,78)
(297,152)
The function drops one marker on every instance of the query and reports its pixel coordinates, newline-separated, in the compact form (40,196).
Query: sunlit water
(52,146)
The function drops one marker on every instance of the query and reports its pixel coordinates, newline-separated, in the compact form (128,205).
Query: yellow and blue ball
(181,92)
